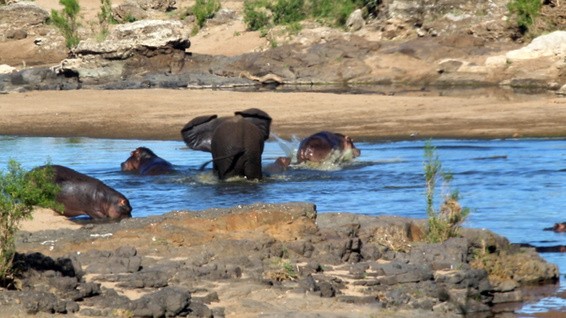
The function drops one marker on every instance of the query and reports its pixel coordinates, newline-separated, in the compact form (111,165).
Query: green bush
(288,11)
(333,12)
(19,192)
(105,18)
(446,222)
(105,15)
(66,21)
(259,14)
(256,14)
(525,12)
(204,10)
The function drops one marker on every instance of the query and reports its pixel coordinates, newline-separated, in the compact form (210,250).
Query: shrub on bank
(260,14)
(445,222)
(525,12)
(19,192)
(66,21)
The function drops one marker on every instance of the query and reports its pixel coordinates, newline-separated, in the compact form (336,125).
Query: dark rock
(301,247)
(146,279)
(447,255)
(37,79)
(326,289)
(310,268)
(89,289)
(358,299)
(308,284)
(123,260)
(167,302)
(125,251)
(35,302)
(207,299)
(110,299)
(198,309)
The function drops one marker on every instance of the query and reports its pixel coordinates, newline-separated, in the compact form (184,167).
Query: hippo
(558,227)
(326,146)
(84,195)
(146,162)
(280,165)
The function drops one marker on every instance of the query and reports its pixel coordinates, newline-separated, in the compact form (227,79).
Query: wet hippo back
(81,194)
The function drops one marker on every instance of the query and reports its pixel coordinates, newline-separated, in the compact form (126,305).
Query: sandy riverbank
(160,114)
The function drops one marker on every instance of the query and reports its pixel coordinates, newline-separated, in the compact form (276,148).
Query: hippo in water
(327,146)
(84,195)
(558,227)
(280,165)
(146,162)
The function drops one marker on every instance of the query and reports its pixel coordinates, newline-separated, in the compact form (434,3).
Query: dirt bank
(160,114)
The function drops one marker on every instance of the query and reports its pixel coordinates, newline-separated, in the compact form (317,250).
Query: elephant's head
(259,118)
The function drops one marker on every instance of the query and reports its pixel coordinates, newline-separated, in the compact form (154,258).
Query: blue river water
(514,187)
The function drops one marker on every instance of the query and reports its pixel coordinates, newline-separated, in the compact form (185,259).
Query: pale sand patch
(47,219)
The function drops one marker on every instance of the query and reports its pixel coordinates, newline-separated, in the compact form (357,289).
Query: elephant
(326,146)
(236,143)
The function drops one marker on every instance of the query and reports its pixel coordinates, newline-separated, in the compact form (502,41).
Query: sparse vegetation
(281,270)
(19,192)
(259,14)
(525,13)
(66,21)
(202,10)
(446,222)
(288,11)
(105,14)
(105,17)
(256,14)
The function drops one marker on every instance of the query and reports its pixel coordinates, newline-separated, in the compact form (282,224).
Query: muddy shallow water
(514,187)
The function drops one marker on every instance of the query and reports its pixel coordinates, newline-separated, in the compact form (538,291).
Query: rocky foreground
(269,260)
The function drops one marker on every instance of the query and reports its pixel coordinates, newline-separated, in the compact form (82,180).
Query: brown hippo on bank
(84,195)
(326,146)
(146,162)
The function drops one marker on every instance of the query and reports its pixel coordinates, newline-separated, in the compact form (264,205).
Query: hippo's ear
(259,118)
(197,133)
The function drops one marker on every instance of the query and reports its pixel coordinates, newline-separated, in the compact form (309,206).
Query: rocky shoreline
(276,260)
(156,53)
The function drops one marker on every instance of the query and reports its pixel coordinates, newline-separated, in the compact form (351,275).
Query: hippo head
(136,159)
(349,149)
(283,162)
(120,208)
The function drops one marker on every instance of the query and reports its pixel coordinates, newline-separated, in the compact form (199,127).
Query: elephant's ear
(197,133)
(259,118)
